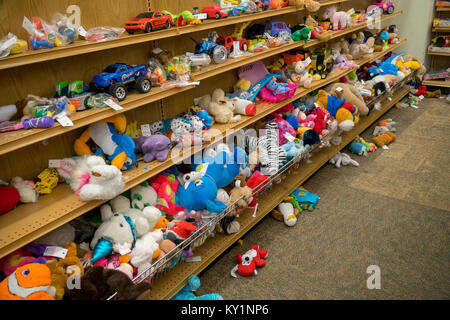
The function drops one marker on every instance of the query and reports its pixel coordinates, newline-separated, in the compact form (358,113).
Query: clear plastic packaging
(103,33)
(98,100)
(67,33)
(37,107)
(157,73)
(199,61)
(6,44)
(43,34)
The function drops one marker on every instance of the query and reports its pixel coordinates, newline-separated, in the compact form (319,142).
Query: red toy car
(228,43)
(215,11)
(148,21)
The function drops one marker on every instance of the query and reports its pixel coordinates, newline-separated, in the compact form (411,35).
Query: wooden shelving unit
(30,221)
(175,279)
(11,141)
(437,83)
(434,53)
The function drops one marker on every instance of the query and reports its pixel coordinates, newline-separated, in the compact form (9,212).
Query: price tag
(385,147)
(289,136)
(54,251)
(60,164)
(82,32)
(145,129)
(124,249)
(307,61)
(351,11)
(113,105)
(193,259)
(421,97)
(339,89)
(64,121)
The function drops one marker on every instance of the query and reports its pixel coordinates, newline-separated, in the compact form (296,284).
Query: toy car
(218,52)
(321,62)
(115,78)
(216,12)
(382,6)
(228,43)
(148,21)
(275,27)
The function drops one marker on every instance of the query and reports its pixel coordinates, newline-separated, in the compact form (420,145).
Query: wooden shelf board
(441,29)
(30,221)
(359,26)
(442,8)
(437,83)
(435,53)
(173,280)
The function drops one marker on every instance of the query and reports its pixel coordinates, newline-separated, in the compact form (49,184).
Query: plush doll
(187,293)
(9,198)
(26,190)
(303,33)
(28,282)
(317,32)
(302,76)
(351,95)
(99,283)
(343,159)
(221,108)
(92,179)
(341,48)
(143,196)
(384,139)
(358,48)
(248,262)
(342,63)
(16,259)
(166,185)
(107,135)
(338,18)
(287,211)
(153,147)
(145,250)
(320,122)
(178,231)
(344,112)
(312,5)
(242,195)
(383,126)
(358,148)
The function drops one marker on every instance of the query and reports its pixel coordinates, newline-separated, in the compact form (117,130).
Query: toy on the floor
(343,159)
(28,282)
(370,147)
(187,293)
(384,139)
(306,199)
(249,261)
(358,148)
(287,211)
(384,126)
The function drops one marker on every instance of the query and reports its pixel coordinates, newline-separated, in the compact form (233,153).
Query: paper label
(339,89)
(124,249)
(145,129)
(307,61)
(351,11)
(289,136)
(385,147)
(64,121)
(201,16)
(82,32)
(54,251)
(193,259)
(113,105)
(60,164)
(421,97)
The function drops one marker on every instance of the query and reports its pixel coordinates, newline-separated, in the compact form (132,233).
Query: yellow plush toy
(345,113)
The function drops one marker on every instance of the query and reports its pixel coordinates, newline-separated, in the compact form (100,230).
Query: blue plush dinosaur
(187,292)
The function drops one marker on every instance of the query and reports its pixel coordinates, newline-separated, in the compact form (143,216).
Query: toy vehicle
(218,52)
(115,78)
(382,6)
(228,43)
(148,22)
(321,62)
(275,27)
(216,12)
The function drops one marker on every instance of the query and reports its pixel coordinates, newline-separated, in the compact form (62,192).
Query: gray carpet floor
(392,211)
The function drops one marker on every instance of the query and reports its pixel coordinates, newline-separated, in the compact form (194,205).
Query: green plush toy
(302,34)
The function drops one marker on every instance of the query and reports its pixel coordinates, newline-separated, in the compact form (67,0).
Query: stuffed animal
(384,126)
(153,147)
(242,195)
(187,293)
(9,198)
(143,196)
(16,259)
(26,190)
(339,19)
(384,139)
(99,283)
(341,48)
(342,63)
(28,282)
(166,186)
(358,148)
(145,250)
(178,231)
(320,122)
(61,236)
(312,5)
(287,211)
(351,95)
(309,136)
(248,262)
(303,33)
(221,108)
(358,48)
(107,135)
(317,32)
(343,159)
(92,179)
(345,113)
(301,76)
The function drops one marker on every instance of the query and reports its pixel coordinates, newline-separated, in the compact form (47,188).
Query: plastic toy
(248,262)
(382,6)
(103,33)
(42,35)
(187,293)
(228,43)
(275,27)
(49,179)
(321,62)
(219,53)
(216,12)
(148,22)
(29,282)
(10,44)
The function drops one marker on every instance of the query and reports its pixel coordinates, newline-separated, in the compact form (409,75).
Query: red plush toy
(9,197)
(421,91)
(180,231)
(248,262)
(320,121)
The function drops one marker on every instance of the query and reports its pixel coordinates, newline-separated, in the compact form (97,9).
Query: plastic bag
(42,34)
(37,107)
(98,100)
(67,33)
(6,43)
(199,61)
(103,33)
(157,73)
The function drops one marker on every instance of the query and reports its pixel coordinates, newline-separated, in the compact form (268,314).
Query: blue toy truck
(115,79)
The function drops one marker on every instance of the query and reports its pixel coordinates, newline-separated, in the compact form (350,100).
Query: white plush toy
(221,108)
(287,210)
(26,190)
(343,159)
(92,179)
(143,196)
(145,250)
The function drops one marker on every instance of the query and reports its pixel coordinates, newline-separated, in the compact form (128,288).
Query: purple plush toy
(153,147)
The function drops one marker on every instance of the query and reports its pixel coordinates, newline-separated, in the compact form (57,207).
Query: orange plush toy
(384,139)
(29,282)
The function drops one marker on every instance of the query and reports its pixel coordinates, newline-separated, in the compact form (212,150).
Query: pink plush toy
(342,63)
(14,260)
(338,18)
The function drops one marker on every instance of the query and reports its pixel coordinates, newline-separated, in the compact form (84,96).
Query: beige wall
(415,25)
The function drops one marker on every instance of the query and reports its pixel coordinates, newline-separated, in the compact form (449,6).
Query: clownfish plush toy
(29,282)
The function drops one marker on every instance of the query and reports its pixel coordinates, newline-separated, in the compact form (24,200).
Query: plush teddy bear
(351,95)
(153,147)
(302,76)
(312,5)
(341,48)
(358,48)
(221,108)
